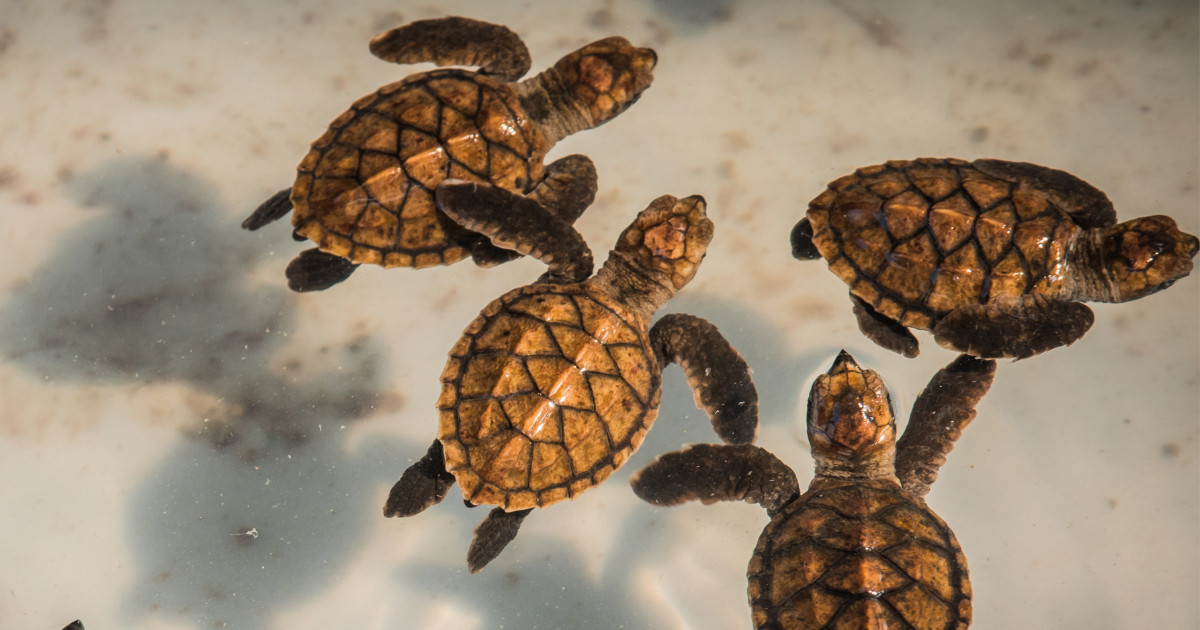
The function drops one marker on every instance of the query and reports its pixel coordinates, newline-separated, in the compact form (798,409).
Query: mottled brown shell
(365,190)
(858,555)
(918,239)
(547,393)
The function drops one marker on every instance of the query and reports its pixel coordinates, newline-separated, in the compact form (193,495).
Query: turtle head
(606,76)
(851,426)
(657,254)
(1146,255)
(668,239)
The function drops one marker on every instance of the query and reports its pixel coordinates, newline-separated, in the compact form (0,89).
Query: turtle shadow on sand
(264,506)
(544,583)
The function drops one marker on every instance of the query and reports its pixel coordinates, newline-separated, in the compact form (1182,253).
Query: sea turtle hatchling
(860,548)
(365,192)
(991,256)
(553,386)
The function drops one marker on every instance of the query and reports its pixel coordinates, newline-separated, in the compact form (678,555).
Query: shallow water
(187,444)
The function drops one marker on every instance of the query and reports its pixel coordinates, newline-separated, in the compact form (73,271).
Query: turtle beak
(843,363)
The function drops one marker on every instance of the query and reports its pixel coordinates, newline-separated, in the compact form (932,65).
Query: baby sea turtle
(365,192)
(989,255)
(860,548)
(555,384)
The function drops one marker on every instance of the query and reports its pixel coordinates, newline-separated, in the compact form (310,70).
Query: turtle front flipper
(1087,205)
(719,377)
(271,210)
(566,190)
(883,330)
(1014,327)
(803,247)
(424,484)
(456,41)
(520,224)
(493,535)
(717,472)
(568,187)
(315,270)
(945,407)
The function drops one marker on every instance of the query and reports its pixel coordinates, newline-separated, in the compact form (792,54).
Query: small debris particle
(246,537)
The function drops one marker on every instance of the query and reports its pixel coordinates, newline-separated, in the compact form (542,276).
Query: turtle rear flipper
(270,211)
(884,331)
(520,224)
(1016,327)
(803,247)
(717,472)
(484,254)
(424,484)
(493,535)
(315,270)
(945,407)
(717,374)
(566,190)
(456,41)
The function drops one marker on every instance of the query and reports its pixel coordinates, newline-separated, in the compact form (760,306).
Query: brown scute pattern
(548,392)
(918,239)
(853,555)
(365,190)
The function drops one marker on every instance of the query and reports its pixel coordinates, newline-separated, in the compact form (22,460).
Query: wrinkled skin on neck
(588,87)
(658,254)
(1135,258)
(851,425)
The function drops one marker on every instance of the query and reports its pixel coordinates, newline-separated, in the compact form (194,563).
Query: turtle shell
(547,393)
(858,555)
(365,189)
(918,239)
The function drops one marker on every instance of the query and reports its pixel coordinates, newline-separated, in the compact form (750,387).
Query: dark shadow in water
(265,507)
(543,583)
(151,288)
(695,14)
